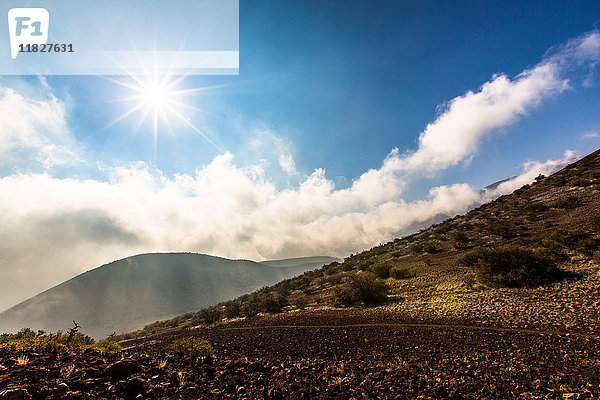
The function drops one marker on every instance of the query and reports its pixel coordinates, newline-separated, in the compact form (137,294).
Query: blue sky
(345,83)
(317,145)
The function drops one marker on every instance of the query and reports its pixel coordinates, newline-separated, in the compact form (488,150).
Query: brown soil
(337,354)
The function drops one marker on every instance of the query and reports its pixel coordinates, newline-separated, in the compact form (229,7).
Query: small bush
(503,228)
(250,309)
(594,223)
(363,266)
(271,304)
(300,301)
(511,267)
(460,236)
(567,238)
(26,340)
(344,296)
(362,288)
(210,315)
(597,257)
(347,267)
(578,241)
(369,289)
(460,240)
(193,347)
(535,207)
(232,309)
(420,247)
(381,270)
(106,346)
(401,273)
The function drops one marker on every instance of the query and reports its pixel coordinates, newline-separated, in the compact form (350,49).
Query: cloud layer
(52,228)
(34,133)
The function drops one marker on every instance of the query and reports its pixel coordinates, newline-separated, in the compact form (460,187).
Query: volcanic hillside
(523,260)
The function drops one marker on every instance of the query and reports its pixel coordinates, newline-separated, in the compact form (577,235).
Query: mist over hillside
(128,293)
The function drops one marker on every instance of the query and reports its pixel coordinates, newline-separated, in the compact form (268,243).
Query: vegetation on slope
(27,340)
(524,239)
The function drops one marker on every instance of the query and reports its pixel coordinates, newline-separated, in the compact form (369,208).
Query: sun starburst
(158,99)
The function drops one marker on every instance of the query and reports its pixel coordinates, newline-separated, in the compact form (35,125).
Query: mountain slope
(518,261)
(128,293)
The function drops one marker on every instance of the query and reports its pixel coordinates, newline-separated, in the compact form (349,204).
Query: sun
(160,100)
(155,96)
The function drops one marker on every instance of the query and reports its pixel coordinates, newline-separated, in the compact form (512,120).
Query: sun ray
(188,123)
(125,115)
(159,100)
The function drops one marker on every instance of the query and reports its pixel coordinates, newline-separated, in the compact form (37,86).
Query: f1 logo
(27,26)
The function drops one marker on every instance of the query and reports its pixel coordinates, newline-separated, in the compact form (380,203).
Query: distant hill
(128,293)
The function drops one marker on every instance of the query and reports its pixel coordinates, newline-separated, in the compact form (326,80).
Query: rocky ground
(337,354)
(571,305)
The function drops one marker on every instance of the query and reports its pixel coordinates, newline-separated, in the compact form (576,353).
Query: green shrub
(271,304)
(567,238)
(300,301)
(578,241)
(193,347)
(26,340)
(381,270)
(511,267)
(503,228)
(420,247)
(232,309)
(460,240)
(210,315)
(331,269)
(460,236)
(362,288)
(430,248)
(401,273)
(594,223)
(250,309)
(106,346)
(364,265)
(347,266)
(369,289)
(344,296)
(534,207)
(597,257)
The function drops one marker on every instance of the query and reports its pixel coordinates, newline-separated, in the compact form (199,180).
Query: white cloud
(531,170)
(34,132)
(590,135)
(274,150)
(456,134)
(287,163)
